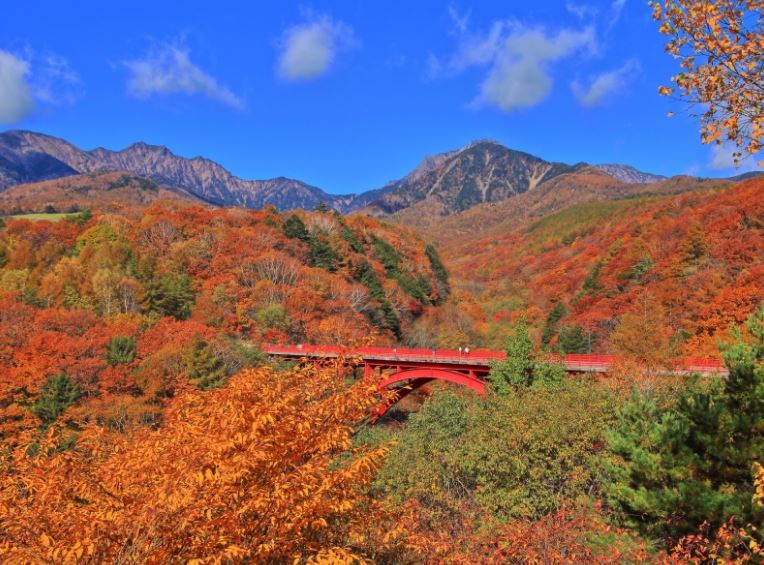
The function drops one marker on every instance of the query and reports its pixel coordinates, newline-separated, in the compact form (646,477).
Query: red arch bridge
(405,370)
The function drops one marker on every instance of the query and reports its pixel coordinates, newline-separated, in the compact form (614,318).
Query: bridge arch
(414,376)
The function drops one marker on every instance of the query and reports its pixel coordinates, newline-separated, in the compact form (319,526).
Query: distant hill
(482,173)
(693,259)
(103,192)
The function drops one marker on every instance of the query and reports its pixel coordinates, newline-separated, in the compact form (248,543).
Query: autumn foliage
(651,275)
(720,50)
(263,469)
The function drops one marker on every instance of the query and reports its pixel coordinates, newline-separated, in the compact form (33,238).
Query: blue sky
(348,95)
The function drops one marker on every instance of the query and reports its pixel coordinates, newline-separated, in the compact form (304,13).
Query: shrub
(516,455)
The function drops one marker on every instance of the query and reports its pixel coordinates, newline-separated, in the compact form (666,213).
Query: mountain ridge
(482,171)
(199,176)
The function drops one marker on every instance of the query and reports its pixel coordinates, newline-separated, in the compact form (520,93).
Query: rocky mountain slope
(481,173)
(30,157)
(629,175)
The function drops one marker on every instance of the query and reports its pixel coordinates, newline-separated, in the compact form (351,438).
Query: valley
(540,343)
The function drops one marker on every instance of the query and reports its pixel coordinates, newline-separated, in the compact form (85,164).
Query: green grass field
(42,217)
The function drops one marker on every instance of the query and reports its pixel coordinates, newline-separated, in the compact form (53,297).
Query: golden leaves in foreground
(720,48)
(260,470)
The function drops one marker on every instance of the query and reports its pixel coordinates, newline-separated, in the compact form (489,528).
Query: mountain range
(482,172)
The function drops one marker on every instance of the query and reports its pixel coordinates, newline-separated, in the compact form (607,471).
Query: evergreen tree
(572,339)
(679,466)
(348,235)
(56,395)
(521,369)
(205,368)
(120,350)
(388,256)
(171,295)
(550,327)
(323,255)
(294,228)
(386,317)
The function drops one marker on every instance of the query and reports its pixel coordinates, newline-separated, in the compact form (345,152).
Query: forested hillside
(116,313)
(667,274)
(105,192)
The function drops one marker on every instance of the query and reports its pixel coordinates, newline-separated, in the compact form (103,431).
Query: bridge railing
(573,362)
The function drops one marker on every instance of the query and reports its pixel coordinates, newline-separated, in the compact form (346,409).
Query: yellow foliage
(260,470)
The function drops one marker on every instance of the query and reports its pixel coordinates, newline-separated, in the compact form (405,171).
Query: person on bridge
(466,350)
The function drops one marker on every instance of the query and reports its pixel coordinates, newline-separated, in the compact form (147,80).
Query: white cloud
(309,49)
(616,9)
(16,99)
(581,11)
(606,84)
(518,58)
(55,82)
(169,70)
(32,80)
(722,158)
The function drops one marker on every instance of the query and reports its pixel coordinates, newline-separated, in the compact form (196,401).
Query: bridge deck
(480,359)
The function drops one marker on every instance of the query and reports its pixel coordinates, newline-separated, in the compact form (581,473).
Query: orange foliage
(247,472)
(719,47)
(697,255)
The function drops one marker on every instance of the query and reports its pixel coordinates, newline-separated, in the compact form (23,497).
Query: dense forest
(136,399)
(143,419)
(122,310)
(650,276)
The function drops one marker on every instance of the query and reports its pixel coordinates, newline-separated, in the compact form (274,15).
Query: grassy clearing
(42,217)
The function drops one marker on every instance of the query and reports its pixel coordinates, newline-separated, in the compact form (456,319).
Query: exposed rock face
(30,157)
(20,164)
(629,175)
(481,172)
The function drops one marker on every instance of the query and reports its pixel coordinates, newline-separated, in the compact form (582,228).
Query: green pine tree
(171,295)
(550,327)
(56,395)
(204,366)
(677,466)
(571,339)
(294,228)
(120,350)
(521,369)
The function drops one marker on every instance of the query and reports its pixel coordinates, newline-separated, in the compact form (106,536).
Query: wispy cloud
(309,49)
(31,80)
(461,21)
(582,11)
(602,86)
(518,59)
(616,10)
(167,70)
(55,82)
